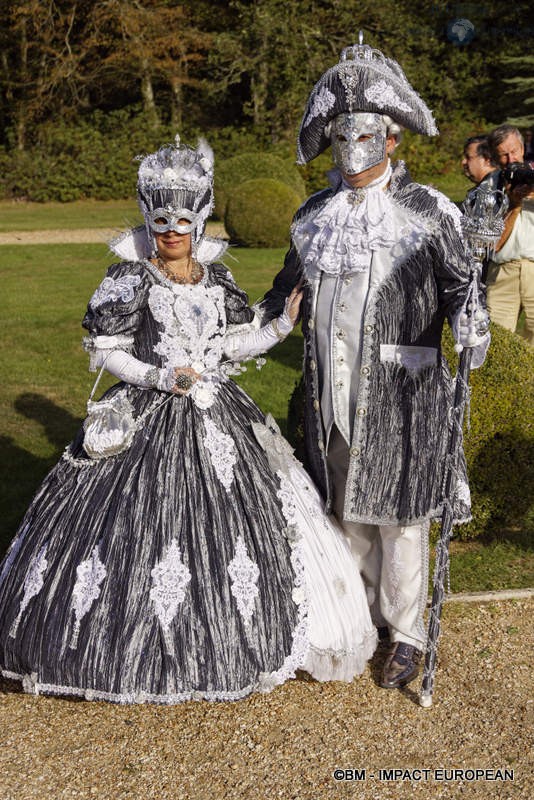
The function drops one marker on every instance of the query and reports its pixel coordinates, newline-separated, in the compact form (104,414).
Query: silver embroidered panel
(89,576)
(112,290)
(244,574)
(33,584)
(169,582)
(223,454)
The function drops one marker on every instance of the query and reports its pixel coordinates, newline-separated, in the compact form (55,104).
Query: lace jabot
(340,238)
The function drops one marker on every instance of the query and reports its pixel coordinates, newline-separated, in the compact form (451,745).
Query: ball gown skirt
(196,564)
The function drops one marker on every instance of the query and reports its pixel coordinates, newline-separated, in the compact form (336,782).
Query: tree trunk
(258,89)
(20,125)
(176,107)
(147,94)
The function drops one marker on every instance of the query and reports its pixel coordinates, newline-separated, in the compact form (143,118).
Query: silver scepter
(483,224)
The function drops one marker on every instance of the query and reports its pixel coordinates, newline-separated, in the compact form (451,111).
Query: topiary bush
(232,172)
(498,438)
(259,213)
(499,446)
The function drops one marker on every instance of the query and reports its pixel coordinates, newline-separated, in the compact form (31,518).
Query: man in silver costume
(383,263)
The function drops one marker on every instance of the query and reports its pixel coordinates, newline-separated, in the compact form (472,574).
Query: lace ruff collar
(343,234)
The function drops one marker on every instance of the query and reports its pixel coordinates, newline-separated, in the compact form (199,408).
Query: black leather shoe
(402,666)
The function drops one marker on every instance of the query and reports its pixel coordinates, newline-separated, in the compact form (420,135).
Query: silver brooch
(356,197)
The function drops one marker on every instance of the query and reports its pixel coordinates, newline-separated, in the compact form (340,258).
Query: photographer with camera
(510,280)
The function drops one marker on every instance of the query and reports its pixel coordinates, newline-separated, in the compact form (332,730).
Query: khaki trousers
(511,288)
(392,560)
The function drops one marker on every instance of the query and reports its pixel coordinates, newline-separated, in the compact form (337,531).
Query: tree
(146,43)
(521,92)
(40,61)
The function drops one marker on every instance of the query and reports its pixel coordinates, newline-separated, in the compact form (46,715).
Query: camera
(518,174)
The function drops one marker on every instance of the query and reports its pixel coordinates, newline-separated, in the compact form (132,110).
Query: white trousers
(392,560)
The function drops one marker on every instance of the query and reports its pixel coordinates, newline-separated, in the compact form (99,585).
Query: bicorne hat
(363,80)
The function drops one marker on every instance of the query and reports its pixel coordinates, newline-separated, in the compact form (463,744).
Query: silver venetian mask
(161,220)
(358,141)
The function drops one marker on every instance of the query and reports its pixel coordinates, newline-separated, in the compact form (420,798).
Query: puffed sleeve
(116,309)
(238,311)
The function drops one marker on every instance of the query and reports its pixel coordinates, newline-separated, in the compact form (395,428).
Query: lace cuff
(99,347)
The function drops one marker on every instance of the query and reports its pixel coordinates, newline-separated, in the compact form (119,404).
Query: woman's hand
(185,378)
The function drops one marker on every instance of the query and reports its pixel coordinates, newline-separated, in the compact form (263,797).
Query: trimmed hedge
(498,438)
(232,172)
(499,446)
(259,213)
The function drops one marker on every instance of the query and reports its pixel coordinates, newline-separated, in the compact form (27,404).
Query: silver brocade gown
(197,563)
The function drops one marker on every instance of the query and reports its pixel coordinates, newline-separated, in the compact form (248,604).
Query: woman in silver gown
(193,560)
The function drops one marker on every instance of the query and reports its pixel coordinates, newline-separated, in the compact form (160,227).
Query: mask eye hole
(365,137)
(341,138)
(161,221)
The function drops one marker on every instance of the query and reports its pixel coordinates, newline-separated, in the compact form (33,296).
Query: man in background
(510,279)
(478,164)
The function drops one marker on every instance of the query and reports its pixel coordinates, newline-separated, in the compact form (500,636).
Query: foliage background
(84,87)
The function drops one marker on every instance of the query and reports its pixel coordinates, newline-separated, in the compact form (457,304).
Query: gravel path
(79,236)
(288,743)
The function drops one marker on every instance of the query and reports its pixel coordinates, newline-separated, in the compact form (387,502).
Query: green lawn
(454,184)
(45,384)
(18,215)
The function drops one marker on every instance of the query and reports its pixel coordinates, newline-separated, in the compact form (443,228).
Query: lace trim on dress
(112,290)
(89,576)
(193,323)
(301,643)
(170,578)
(32,685)
(223,454)
(33,583)
(244,574)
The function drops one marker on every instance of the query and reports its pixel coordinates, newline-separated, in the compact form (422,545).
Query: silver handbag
(109,426)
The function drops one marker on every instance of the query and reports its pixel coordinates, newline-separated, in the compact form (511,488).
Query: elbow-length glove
(238,346)
(129,369)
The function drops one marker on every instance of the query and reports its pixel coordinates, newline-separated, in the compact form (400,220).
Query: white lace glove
(129,369)
(238,346)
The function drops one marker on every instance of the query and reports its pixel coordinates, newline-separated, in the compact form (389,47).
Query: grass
(454,184)
(19,215)
(46,384)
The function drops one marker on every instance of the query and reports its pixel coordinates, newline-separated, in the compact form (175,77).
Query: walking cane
(483,226)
